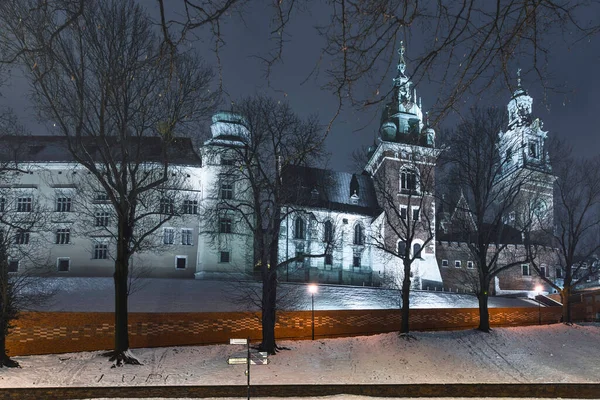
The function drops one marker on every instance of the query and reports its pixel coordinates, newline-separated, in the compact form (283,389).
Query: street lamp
(538,291)
(312,288)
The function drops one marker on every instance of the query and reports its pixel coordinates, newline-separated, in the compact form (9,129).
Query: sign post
(236,360)
(248,366)
(258,358)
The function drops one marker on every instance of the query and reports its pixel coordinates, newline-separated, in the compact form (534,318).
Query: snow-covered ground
(534,354)
(189,295)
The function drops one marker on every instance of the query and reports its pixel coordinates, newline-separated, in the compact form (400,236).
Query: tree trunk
(6,304)
(404,327)
(269,297)
(120,355)
(484,313)
(5,360)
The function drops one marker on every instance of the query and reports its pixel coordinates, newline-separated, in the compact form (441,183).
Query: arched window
(408,180)
(300,228)
(401,247)
(417,250)
(328,234)
(359,234)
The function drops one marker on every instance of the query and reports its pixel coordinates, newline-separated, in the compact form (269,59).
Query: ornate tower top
(402,118)
(524,142)
(520,107)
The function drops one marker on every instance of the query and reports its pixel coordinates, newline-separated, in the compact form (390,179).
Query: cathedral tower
(524,151)
(402,165)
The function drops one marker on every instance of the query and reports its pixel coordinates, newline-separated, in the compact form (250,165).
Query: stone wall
(54,332)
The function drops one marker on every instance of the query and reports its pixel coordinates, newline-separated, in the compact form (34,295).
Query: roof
(505,234)
(54,149)
(322,188)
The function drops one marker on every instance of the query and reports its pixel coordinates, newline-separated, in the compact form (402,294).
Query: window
(299,228)
(224,225)
(525,269)
(559,272)
(100,251)
(401,247)
(417,250)
(328,259)
(22,237)
(533,149)
(227,161)
(224,257)
(169,236)
(356,261)
(543,271)
(13,265)
(180,262)
(101,197)
(187,237)
(102,218)
(444,263)
(328,233)
(408,180)
(226,190)
(190,206)
(63,264)
(457,263)
(359,235)
(403,212)
(512,217)
(470,264)
(167,206)
(63,236)
(24,204)
(416,214)
(63,204)
(2,204)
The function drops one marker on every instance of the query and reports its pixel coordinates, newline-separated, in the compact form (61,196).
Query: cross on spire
(401,63)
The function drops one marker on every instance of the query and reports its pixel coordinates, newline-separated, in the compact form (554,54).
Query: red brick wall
(44,333)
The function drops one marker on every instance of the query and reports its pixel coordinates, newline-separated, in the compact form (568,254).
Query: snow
(534,354)
(189,295)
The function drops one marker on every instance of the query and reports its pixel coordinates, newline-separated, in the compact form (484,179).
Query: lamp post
(538,291)
(312,288)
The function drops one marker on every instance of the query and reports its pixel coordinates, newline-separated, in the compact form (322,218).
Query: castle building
(361,224)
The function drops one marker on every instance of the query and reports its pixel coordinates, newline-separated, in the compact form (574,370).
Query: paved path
(188,295)
(470,390)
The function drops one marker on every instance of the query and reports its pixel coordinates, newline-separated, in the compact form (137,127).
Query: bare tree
(406,226)
(573,237)
(491,187)
(255,193)
(103,83)
(467,46)
(23,218)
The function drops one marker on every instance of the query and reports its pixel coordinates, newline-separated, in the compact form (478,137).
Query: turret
(229,126)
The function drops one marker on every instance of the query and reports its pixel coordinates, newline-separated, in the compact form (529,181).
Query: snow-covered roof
(322,188)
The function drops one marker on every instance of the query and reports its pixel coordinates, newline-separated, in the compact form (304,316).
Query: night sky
(571,115)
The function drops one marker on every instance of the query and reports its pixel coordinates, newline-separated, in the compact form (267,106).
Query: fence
(56,332)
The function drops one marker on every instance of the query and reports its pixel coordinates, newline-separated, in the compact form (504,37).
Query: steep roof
(54,149)
(322,188)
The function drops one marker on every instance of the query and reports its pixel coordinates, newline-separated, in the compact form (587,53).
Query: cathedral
(360,222)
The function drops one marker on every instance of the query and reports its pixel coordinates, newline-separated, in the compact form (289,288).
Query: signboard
(256,358)
(238,341)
